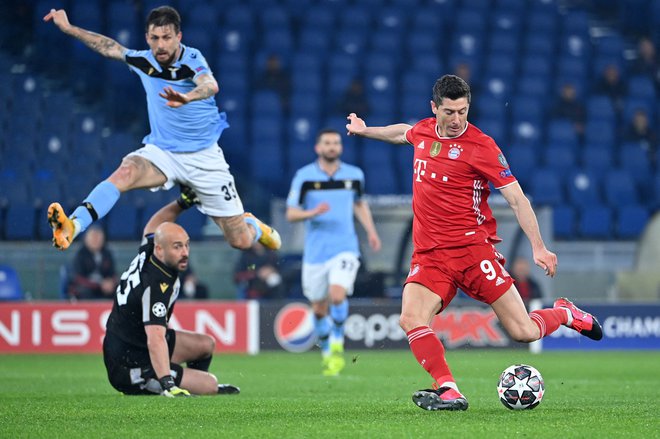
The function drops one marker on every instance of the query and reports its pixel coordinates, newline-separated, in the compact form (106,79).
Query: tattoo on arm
(206,88)
(100,43)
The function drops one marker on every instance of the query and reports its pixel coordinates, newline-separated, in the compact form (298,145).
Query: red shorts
(477,269)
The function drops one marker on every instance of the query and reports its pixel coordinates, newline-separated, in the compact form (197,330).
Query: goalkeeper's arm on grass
(160,361)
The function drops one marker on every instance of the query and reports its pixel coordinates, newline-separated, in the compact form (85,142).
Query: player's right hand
(355,125)
(170,389)
(58,17)
(175,392)
(188,198)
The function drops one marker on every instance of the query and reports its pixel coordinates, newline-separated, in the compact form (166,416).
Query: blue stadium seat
(266,103)
(122,221)
(313,40)
(541,23)
(561,158)
(274,16)
(563,221)
(631,105)
(538,43)
(504,42)
(619,188)
(596,222)
(418,41)
(597,159)
(278,40)
(634,158)
(534,86)
(641,86)
(320,16)
(546,188)
(600,107)
(240,17)
(495,128)
(233,39)
(599,132)
(20,221)
(267,166)
(429,64)
(523,161)
(10,284)
(562,132)
(385,42)
(193,221)
(583,188)
(536,65)
(631,221)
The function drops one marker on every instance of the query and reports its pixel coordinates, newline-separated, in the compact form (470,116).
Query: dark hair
(326,131)
(452,87)
(164,16)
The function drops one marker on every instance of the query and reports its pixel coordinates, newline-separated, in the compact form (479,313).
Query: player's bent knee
(409,322)
(240,242)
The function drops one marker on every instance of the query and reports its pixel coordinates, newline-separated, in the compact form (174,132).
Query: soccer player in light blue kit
(182,146)
(326,195)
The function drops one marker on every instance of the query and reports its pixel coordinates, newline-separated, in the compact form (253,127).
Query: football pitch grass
(588,394)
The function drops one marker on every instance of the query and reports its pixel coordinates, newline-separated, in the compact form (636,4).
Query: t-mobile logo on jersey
(420,169)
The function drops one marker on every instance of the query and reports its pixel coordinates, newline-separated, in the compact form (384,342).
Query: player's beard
(168,61)
(330,158)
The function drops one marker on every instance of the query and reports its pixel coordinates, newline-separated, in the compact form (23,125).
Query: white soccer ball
(520,387)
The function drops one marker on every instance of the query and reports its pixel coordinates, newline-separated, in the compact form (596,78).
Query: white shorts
(206,171)
(340,270)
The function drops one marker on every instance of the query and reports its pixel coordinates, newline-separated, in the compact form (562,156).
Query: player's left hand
(374,242)
(174,98)
(547,261)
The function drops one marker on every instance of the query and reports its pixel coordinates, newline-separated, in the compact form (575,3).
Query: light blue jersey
(333,232)
(191,127)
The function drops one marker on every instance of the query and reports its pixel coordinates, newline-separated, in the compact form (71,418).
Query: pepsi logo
(294,327)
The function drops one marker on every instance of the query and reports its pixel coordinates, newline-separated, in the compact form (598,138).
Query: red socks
(549,320)
(430,353)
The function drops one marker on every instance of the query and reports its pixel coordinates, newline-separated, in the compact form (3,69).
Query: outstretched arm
(522,208)
(363,214)
(391,133)
(171,211)
(97,42)
(207,86)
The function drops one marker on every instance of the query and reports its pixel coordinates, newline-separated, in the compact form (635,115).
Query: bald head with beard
(172,246)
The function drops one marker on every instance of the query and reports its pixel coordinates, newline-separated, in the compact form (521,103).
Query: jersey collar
(167,271)
(437,133)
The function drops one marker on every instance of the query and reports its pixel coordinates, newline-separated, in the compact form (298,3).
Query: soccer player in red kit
(454,232)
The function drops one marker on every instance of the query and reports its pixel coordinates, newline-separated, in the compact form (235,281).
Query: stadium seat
(319,16)
(561,158)
(619,189)
(523,161)
(597,159)
(600,108)
(122,221)
(598,132)
(193,221)
(583,188)
(635,158)
(562,132)
(20,221)
(10,284)
(563,221)
(596,222)
(631,221)
(546,188)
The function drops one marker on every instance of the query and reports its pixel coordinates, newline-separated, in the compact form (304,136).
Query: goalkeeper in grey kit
(141,354)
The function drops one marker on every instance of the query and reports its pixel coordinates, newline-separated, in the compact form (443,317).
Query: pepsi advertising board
(626,326)
(375,324)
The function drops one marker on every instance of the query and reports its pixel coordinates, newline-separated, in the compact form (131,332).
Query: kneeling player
(141,354)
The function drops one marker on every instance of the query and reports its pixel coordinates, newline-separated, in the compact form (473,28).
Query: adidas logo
(499,281)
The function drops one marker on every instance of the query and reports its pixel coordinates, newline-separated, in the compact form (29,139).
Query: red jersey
(450,186)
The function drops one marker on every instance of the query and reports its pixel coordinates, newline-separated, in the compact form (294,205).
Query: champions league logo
(294,328)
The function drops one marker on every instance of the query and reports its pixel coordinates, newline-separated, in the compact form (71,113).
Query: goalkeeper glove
(170,389)
(188,198)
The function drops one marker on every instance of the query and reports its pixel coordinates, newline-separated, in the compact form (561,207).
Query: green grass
(614,394)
